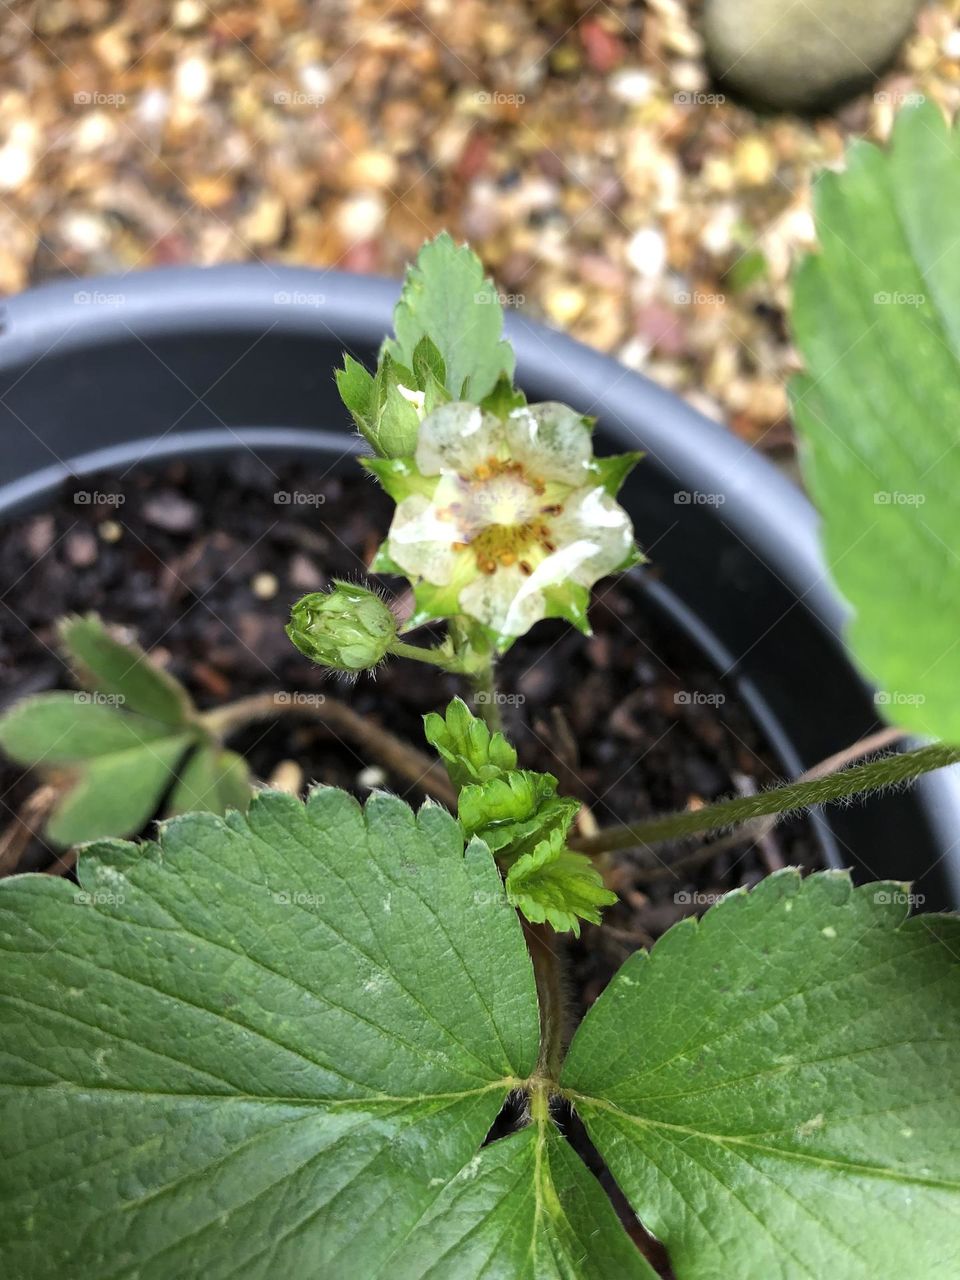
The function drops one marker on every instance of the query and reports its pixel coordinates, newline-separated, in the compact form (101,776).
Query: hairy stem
(402,759)
(860,779)
(485,697)
(541,941)
(435,657)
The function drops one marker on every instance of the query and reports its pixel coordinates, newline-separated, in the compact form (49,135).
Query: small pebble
(81,547)
(288,777)
(39,535)
(193,80)
(371,777)
(304,574)
(632,86)
(110,531)
(264,586)
(647,253)
(564,303)
(171,511)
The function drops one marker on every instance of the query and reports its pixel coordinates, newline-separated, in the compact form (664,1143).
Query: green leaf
(876,314)
(427,364)
(261,1049)
(447,299)
(212,781)
(470,752)
(524,1208)
(510,811)
(63,728)
(556,886)
(775,1087)
(116,795)
(121,670)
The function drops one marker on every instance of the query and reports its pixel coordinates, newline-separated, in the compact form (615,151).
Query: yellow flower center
(499,512)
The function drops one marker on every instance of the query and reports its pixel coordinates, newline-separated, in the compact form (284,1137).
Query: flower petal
(420,542)
(594,536)
(551,441)
(504,601)
(457,437)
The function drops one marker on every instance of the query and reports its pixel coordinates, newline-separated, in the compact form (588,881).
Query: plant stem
(485,695)
(402,759)
(433,656)
(861,779)
(550,995)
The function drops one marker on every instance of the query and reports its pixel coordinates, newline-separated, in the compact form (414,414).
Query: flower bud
(348,628)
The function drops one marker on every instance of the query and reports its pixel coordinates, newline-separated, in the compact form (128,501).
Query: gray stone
(803,54)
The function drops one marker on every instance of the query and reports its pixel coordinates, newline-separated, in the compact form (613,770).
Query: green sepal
(396,420)
(630,561)
(356,387)
(470,752)
(432,602)
(399,477)
(571,601)
(612,470)
(504,398)
(383,563)
(555,886)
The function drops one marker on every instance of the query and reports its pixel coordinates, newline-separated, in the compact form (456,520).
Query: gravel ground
(579,146)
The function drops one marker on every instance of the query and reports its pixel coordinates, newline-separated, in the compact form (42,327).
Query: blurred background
(634,173)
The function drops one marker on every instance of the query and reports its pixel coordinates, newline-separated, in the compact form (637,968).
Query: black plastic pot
(105,373)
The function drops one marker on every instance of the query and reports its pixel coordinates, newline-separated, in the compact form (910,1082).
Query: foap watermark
(95,698)
(500,699)
(895,99)
(298,298)
(99,898)
(490,898)
(697,298)
(295,699)
(692,98)
(483,296)
(92,98)
(496,98)
(897,698)
(298,898)
(694,898)
(898,897)
(694,498)
(297,98)
(898,299)
(97,498)
(97,298)
(696,698)
(298,498)
(897,498)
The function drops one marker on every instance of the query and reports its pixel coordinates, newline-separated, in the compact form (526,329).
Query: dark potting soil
(203,562)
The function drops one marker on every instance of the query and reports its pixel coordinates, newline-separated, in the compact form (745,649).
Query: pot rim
(765,510)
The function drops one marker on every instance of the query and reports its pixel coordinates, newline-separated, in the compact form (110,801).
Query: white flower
(507,520)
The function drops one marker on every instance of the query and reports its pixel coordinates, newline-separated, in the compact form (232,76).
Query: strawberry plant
(277,1039)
